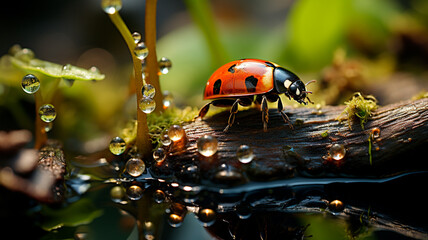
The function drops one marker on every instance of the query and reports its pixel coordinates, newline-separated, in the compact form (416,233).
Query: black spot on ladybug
(232,69)
(269,64)
(217,85)
(251,83)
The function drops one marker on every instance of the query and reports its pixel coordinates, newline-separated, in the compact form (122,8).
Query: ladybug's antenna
(312,81)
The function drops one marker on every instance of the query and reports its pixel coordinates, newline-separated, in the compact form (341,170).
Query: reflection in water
(228,205)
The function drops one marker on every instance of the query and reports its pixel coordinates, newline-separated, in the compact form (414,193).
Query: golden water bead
(175,220)
(168,100)
(164,65)
(336,206)
(111,6)
(141,51)
(176,133)
(47,113)
(159,196)
(117,146)
(337,151)
(206,216)
(30,84)
(245,154)
(134,192)
(135,167)
(147,105)
(207,145)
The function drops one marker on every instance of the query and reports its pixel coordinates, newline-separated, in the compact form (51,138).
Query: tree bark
(397,132)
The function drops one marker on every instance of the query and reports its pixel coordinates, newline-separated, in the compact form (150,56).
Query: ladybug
(252,80)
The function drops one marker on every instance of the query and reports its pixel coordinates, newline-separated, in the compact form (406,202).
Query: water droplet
(175,220)
(135,167)
(111,6)
(207,216)
(134,192)
(30,84)
(164,65)
(25,54)
(117,146)
(48,127)
(159,155)
(336,206)
(228,174)
(168,100)
(245,154)
(207,145)
(159,196)
(141,51)
(47,113)
(148,91)
(117,194)
(137,37)
(176,133)
(164,138)
(147,105)
(94,69)
(243,211)
(337,151)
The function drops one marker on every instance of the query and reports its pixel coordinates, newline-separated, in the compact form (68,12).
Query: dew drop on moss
(147,105)
(164,138)
(207,145)
(117,146)
(137,37)
(164,65)
(47,113)
(148,91)
(111,6)
(176,133)
(141,51)
(135,167)
(245,154)
(30,84)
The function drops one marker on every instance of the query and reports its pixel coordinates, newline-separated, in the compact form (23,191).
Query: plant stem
(41,136)
(143,138)
(204,19)
(152,68)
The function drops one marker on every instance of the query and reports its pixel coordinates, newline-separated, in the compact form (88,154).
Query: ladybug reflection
(252,80)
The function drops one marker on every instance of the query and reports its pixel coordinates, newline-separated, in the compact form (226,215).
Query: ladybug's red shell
(240,78)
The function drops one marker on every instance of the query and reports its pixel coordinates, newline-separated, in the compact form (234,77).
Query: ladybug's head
(290,84)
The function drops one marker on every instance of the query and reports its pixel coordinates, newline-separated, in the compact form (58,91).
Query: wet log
(393,141)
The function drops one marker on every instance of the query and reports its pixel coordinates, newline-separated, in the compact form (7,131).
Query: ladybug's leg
(233,111)
(203,111)
(284,116)
(265,113)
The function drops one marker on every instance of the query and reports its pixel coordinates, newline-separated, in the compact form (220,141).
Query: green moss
(420,95)
(359,108)
(324,134)
(158,122)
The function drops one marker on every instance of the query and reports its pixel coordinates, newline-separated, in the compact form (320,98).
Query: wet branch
(394,138)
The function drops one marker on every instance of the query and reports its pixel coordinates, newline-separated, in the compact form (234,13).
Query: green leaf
(75,214)
(27,62)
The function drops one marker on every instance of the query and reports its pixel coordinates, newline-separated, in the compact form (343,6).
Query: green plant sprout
(24,60)
(359,107)
(139,52)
